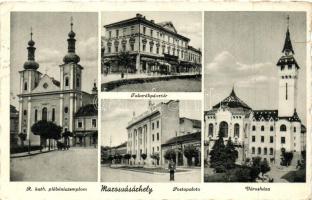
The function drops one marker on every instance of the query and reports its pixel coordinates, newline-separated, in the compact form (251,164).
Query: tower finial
(287,21)
(71,23)
(31,33)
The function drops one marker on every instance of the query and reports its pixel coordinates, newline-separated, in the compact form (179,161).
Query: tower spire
(71,55)
(31,63)
(287,49)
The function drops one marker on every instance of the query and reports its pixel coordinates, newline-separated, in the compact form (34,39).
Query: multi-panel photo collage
(177,97)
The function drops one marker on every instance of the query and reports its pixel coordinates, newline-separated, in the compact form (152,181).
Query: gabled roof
(87,110)
(294,118)
(232,101)
(184,138)
(168,25)
(266,115)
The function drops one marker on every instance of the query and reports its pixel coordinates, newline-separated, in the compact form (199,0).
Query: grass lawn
(158,169)
(295,176)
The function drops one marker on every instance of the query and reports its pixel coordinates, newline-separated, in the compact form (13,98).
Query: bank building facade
(154,48)
(263,133)
(42,97)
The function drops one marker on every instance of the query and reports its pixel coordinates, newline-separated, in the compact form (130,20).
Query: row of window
(223,129)
(262,139)
(259,151)
(93,123)
(159,35)
(283,128)
(144,129)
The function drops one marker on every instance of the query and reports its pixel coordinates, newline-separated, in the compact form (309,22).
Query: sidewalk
(32,153)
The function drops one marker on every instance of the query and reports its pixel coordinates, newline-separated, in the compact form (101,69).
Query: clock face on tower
(45,85)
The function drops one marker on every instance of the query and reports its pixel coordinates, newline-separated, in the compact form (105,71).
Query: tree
(143,156)
(124,59)
(46,130)
(189,152)
(22,137)
(170,154)
(264,167)
(127,157)
(230,155)
(156,157)
(216,151)
(134,157)
(286,158)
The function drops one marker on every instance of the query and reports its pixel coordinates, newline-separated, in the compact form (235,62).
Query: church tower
(70,83)
(288,75)
(29,77)
(71,71)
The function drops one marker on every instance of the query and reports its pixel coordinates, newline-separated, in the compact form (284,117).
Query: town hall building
(263,133)
(63,102)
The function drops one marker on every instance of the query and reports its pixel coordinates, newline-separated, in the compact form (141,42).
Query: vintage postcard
(155,100)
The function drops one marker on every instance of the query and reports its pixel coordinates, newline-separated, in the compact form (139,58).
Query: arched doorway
(44,114)
(224,129)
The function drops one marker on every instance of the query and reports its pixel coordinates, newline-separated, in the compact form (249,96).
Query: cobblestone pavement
(76,164)
(118,175)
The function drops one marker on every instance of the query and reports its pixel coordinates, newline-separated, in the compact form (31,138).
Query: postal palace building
(63,102)
(263,133)
(160,128)
(155,48)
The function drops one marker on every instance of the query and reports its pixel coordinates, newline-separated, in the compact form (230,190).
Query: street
(119,175)
(76,164)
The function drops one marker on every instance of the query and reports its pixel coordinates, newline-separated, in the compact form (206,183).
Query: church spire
(287,44)
(71,55)
(31,63)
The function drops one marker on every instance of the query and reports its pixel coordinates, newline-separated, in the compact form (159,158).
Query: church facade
(263,133)
(42,97)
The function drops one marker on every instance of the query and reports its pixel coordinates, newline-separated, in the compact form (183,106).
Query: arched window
(210,130)
(78,82)
(25,112)
(44,114)
(66,81)
(259,150)
(25,86)
(236,130)
(283,127)
(66,109)
(224,128)
(271,128)
(157,136)
(265,151)
(271,151)
(262,128)
(53,114)
(254,128)
(36,115)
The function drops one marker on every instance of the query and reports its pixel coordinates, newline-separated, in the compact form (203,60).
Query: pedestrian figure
(172,168)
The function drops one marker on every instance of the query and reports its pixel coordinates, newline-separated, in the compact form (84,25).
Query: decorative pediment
(47,84)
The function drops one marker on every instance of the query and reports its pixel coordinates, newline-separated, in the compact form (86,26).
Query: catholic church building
(263,133)
(42,97)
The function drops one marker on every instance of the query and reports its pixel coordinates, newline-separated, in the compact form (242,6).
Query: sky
(50,33)
(117,113)
(188,24)
(241,51)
